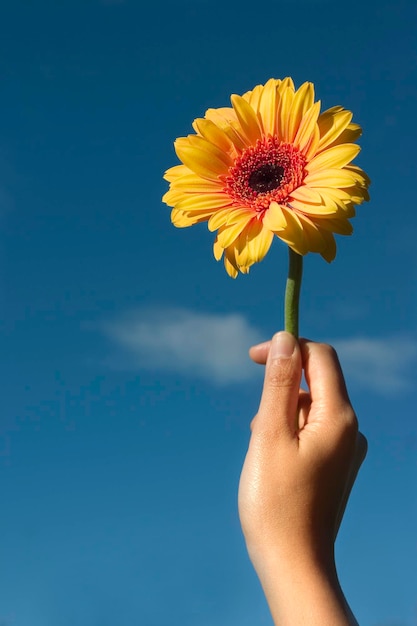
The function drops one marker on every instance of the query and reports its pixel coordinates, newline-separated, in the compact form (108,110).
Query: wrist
(302,589)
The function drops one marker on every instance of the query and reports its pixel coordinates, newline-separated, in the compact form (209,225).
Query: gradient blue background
(124,418)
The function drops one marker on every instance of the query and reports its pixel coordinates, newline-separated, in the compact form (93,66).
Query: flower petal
(267,107)
(192,183)
(329,252)
(309,149)
(330,177)
(181,219)
(176,172)
(228,234)
(360,175)
(217,250)
(247,119)
(215,135)
(306,194)
(307,128)
(274,218)
(198,202)
(335,225)
(293,235)
(303,101)
(349,135)
(228,216)
(254,96)
(230,268)
(331,124)
(312,210)
(201,159)
(283,110)
(226,119)
(312,234)
(259,244)
(338,156)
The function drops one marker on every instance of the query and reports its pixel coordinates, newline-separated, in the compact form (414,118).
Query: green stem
(292,292)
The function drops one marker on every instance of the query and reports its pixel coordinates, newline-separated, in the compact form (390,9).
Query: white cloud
(215,347)
(383,365)
(206,345)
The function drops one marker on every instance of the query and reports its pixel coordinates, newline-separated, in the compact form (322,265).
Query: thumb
(277,413)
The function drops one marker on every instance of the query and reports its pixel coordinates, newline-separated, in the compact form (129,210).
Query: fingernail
(283,345)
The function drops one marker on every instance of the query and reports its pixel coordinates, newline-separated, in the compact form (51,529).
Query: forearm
(303,592)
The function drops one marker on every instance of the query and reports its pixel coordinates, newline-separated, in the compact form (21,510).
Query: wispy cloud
(206,345)
(383,365)
(214,347)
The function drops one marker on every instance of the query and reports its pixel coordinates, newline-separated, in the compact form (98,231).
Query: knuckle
(362,446)
(282,374)
(349,422)
(328,349)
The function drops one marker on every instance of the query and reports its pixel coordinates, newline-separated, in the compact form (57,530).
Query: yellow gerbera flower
(270,165)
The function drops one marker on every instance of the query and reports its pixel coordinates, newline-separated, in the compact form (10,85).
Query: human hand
(304,454)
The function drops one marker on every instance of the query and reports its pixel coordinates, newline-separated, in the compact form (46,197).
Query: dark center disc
(266,178)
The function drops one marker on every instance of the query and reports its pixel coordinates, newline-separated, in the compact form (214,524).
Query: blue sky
(126,390)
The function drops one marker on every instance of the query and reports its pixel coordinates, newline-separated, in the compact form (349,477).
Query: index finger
(323,374)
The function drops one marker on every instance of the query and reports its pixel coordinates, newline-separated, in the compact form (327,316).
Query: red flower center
(266,172)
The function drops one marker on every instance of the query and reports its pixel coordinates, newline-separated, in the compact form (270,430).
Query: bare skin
(304,455)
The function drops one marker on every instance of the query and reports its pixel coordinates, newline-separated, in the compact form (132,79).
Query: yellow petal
(284,108)
(230,261)
(330,177)
(225,118)
(202,215)
(241,248)
(172,196)
(236,214)
(293,234)
(349,135)
(331,125)
(254,96)
(336,193)
(228,217)
(197,202)
(210,131)
(334,225)
(312,235)
(359,174)
(230,268)
(181,220)
(217,250)
(306,194)
(175,214)
(267,107)
(228,234)
(312,209)
(339,207)
(192,183)
(204,162)
(306,126)
(259,244)
(329,252)
(176,172)
(283,84)
(247,119)
(310,145)
(338,156)
(203,144)
(303,101)
(274,218)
